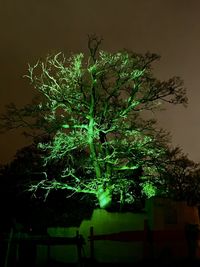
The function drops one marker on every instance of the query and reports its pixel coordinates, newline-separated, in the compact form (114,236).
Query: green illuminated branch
(53,185)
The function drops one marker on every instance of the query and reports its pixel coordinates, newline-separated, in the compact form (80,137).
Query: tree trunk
(104,197)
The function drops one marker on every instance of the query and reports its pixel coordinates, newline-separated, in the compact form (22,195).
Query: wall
(103,222)
(162,214)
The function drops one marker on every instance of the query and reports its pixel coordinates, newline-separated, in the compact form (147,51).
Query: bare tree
(92,109)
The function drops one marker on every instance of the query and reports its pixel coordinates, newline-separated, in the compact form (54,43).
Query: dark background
(31,29)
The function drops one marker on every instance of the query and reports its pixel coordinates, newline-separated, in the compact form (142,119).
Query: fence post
(147,241)
(191,235)
(91,243)
(8,247)
(145,245)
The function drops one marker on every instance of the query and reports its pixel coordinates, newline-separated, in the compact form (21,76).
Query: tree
(181,177)
(34,213)
(92,112)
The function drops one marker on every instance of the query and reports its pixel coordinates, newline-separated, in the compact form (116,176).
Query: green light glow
(149,190)
(105,198)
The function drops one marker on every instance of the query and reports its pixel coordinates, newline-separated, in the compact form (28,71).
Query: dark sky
(30,29)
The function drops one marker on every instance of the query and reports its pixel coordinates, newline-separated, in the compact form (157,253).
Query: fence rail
(150,238)
(18,239)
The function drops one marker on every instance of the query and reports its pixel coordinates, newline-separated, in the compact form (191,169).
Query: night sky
(31,29)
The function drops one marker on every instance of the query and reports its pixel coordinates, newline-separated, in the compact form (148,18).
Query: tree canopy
(95,113)
(181,177)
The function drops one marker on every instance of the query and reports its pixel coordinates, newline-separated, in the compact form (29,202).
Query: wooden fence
(13,242)
(151,239)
